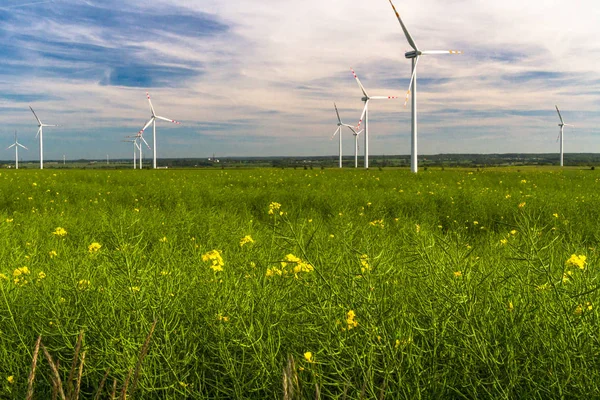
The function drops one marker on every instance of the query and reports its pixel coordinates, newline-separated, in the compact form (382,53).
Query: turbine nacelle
(413,54)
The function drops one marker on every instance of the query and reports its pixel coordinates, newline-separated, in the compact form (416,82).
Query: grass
(447,284)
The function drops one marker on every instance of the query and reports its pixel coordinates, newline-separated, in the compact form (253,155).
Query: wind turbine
(40,133)
(135,146)
(16,145)
(139,138)
(365,114)
(339,130)
(562,126)
(153,122)
(414,55)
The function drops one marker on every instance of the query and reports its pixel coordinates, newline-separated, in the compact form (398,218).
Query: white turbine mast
(40,133)
(152,121)
(414,55)
(365,114)
(560,137)
(340,125)
(16,145)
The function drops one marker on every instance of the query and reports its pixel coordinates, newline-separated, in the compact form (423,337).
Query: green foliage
(457,281)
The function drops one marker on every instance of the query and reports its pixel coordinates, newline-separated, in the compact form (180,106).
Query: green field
(361,284)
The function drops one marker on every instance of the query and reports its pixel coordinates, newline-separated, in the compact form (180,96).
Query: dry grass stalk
(317,392)
(33,367)
(143,353)
(54,384)
(383,389)
(55,372)
(126,386)
(114,390)
(74,366)
(291,385)
(78,387)
(101,386)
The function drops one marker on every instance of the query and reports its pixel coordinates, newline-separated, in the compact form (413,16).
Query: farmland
(343,283)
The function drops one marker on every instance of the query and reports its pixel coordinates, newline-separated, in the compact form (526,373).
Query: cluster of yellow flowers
(215,260)
(52,253)
(377,223)
(351,320)
(246,240)
(94,247)
(275,207)
(509,235)
(308,356)
(364,262)
(298,266)
(60,232)
(581,308)
(83,285)
(20,276)
(576,261)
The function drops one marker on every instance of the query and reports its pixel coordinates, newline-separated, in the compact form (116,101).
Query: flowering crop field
(302,283)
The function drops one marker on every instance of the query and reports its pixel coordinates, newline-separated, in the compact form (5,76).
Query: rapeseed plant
(60,232)
(576,261)
(215,259)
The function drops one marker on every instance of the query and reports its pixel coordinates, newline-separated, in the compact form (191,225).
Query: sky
(259,77)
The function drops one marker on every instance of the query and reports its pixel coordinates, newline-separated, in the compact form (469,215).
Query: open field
(378,284)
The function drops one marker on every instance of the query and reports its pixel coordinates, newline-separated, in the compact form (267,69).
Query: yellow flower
(165,273)
(215,260)
(377,223)
(510,306)
(52,253)
(458,274)
(41,275)
(308,356)
(10,379)
(163,239)
(21,271)
(507,196)
(364,262)
(503,241)
(222,318)
(83,285)
(475,223)
(523,181)
(60,232)
(94,247)
(134,289)
(274,206)
(9,220)
(576,261)
(273,271)
(513,232)
(555,215)
(351,320)
(521,205)
(3,277)
(418,228)
(578,310)
(245,240)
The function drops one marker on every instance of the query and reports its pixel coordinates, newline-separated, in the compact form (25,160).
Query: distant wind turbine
(135,146)
(16,145)
(339,130)
(365,114)
(562,126)
(40,133)
(414,55)
(153,122)
(139,138)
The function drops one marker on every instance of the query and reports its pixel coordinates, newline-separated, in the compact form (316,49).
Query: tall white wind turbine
(339,130)
(153,122)
(365,114)
(16,145)
(562,126)
(40,133)
(414,55)
(139,139)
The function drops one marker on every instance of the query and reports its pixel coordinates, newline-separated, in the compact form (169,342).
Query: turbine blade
(362,115)
(337,112)
(412,78)
(150,101)
(11,146)
(336,132)
(432,52)
(351,128)
(560,116)
(38,132)
(383,97)
(408,37)
(147,125)
(19,144)
(168,120)
(35,115)
(359,84)
(144,140)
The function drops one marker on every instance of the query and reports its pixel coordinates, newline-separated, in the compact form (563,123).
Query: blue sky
(259,77)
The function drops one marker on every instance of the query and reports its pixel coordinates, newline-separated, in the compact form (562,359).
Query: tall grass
(445,284)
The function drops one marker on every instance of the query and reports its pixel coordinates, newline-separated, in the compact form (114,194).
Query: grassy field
(303,283)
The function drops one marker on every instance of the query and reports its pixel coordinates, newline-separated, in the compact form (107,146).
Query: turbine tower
(135,146)
(16,145)
(562,126)
(339,130)
(153,122)
(414,55)
(365,114)
(40,133)
(138,139)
